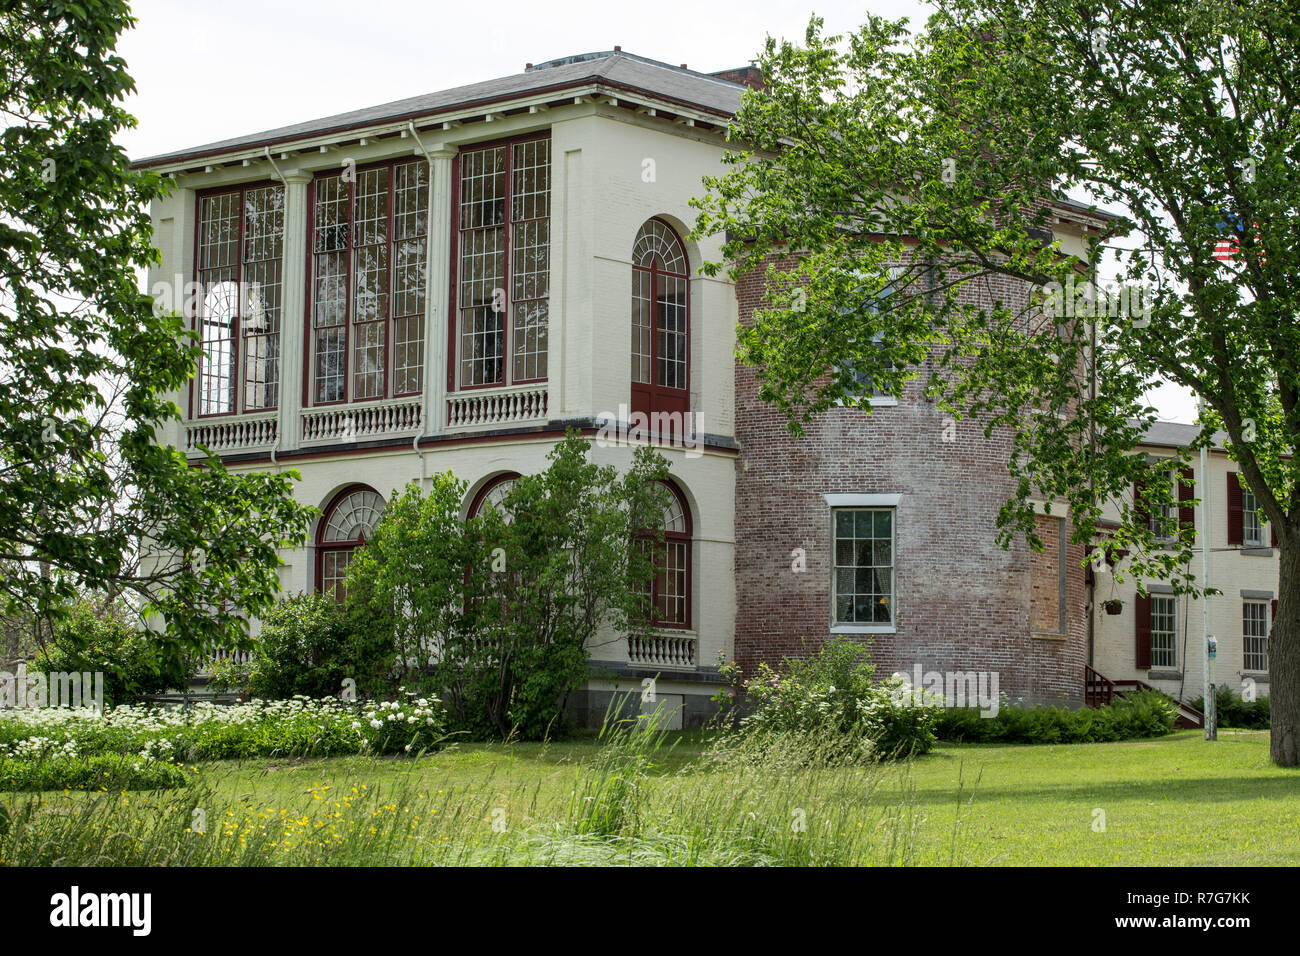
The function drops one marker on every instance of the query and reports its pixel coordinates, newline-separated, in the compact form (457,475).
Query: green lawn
(1170,801)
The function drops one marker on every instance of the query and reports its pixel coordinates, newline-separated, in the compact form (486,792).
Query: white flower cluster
(36,747)
(158,730)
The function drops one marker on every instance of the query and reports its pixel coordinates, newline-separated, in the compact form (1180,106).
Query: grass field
(1170,801)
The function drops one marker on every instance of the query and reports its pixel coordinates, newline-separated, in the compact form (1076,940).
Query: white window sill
(863,629)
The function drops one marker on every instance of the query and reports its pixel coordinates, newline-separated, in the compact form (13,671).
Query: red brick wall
(961,602)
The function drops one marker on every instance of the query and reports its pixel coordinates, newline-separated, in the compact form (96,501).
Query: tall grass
(787,803)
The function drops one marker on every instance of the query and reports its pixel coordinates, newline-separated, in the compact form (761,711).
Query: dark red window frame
(196,384)
(684,538)
(477,501)
(453,311)
(649,397)
(322,547)
(391,242)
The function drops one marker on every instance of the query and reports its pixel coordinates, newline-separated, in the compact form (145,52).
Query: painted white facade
(1243,573)
(612,169)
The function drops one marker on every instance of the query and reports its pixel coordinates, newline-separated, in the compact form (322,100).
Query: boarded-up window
(1047,577)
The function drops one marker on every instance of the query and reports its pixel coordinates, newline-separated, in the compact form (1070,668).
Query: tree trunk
(1284,660)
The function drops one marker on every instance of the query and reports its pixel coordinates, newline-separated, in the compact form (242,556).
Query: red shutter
(1236,522)
(1140,512)
(1142,632)
(1272,529)
(1274,617)
(1186,491)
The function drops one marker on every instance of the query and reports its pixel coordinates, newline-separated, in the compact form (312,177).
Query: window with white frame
(863,576)
(862,379)
(1252,529)
(1254,636)
(1164,515)
(1164,615)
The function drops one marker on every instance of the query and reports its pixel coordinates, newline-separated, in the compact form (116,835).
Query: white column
(438,288)
(293,300)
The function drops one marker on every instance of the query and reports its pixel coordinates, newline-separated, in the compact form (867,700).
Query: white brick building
(1157,639)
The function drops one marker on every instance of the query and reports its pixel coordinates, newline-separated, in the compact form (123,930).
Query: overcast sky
(209,71)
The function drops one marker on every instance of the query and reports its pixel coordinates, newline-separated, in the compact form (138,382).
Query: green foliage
(946,152)
(102,639)
(1235,712)
(411,587)
(1139,715)
(305,647)
(505,605)
(832,695)
(299,727)
(98,772)
(91,501)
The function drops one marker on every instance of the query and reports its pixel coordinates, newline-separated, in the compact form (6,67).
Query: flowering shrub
(297,727)
(833,694)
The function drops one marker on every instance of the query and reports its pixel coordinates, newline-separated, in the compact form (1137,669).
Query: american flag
(1225,250)
(1227,247)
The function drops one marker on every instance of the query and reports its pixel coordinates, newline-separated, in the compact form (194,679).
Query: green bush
(513,596)
(299,727)
(1236,712)
(103,640)
(95,772)
(1144,714)
(832,694)
(307,647)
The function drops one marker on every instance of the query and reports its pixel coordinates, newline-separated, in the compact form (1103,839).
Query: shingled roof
(614,70)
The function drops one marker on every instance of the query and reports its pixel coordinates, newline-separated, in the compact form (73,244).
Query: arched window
(660,320)
(671,588)
(350,518)
(492,494)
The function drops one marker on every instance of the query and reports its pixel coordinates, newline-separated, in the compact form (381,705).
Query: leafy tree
(410,586)
(100,637)
(946,152)
(89,500)
(506,606)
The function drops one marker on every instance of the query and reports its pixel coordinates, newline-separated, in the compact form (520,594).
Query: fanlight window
(492,495)
(348,522)
(660,320)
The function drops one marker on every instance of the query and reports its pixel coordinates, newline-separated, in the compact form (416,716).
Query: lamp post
(1207,721)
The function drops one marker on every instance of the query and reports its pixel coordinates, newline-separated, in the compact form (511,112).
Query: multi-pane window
(660,319)
(1252,529)
(670,604)
(504,263)
(493,495)
(1163,516)
(863,582)
(240,258)
(872,305)
(369,248)
(1254,636)
(1163,631)
(349,520)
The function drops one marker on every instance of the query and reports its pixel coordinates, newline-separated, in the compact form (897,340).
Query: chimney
(745,75)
